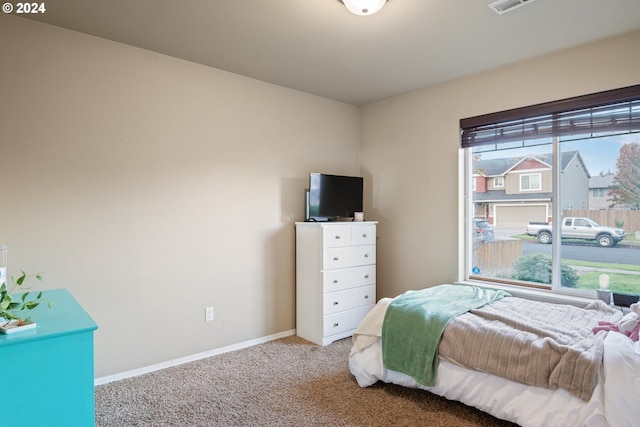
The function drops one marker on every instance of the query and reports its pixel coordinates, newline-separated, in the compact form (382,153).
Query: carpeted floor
(287,382)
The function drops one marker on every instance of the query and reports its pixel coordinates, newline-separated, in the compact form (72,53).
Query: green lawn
(625,283)
(618,281)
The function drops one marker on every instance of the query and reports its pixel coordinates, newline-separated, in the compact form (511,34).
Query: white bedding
(615,401)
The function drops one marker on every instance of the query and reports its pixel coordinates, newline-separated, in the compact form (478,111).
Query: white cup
(358,216)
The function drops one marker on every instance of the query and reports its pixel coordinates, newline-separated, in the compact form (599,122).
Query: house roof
(501,196)
(499,167)
(601,181)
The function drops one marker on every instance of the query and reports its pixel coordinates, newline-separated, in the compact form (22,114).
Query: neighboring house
(599,193)
(599,196)
(510,192)
(599,186)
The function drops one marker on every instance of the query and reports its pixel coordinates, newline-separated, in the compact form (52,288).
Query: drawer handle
(335,258)
(335,325)
(335,303)
(364,235)
(366,255)
(366,276)
(337,237)
(366,297)
(335,282)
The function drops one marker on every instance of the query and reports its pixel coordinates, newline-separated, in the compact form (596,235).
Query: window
(547,156)
(580,222)
(530,182)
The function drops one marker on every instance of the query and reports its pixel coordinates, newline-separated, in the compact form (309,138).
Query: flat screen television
(333,197)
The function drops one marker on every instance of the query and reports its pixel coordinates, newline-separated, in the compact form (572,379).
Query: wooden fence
(497,256)
(630,219)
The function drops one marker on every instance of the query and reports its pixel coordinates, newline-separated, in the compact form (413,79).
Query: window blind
(606,113)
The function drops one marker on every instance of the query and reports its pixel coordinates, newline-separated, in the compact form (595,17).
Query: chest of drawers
(335,278)
(48,371)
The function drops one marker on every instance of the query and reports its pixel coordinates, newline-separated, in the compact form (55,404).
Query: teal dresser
(47,372)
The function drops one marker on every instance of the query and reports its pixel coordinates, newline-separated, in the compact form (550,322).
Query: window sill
(533,294)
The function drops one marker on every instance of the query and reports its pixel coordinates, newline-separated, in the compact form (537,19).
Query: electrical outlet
(208,314)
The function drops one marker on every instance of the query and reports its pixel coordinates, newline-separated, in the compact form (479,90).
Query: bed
(554,369)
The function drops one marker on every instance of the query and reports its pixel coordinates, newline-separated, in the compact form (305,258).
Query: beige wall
(410,151)
(151,187)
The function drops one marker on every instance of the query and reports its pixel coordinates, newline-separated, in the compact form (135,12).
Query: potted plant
(10,320)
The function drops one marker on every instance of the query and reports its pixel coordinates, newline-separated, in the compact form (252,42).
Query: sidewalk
(584,269)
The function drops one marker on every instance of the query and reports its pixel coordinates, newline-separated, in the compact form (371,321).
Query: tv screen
(333,197)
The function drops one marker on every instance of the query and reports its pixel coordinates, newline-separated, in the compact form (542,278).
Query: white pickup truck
(578,228)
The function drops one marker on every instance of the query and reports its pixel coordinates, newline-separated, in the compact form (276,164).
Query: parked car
(578,228)
(482,231)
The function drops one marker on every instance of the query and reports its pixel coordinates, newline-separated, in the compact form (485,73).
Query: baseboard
(193,357)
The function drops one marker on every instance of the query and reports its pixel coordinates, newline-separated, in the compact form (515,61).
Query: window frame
(530,175)
(553,109)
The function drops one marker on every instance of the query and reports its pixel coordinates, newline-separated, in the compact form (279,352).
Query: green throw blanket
(414,323)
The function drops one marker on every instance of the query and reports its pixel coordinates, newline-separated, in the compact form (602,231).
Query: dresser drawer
(346,300)
(352,256)
(336,236)
(363,235)
(344,321)
(345,278)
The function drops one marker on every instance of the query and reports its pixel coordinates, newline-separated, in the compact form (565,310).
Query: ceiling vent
(504,6)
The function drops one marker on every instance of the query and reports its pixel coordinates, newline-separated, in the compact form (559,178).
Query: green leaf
(31,305)
(24,296)
(21,279)
(39,295)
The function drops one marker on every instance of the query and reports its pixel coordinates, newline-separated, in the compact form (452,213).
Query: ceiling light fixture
(363,7)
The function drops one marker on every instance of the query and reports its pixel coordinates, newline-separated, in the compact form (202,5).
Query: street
(588,252)
(582,251)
